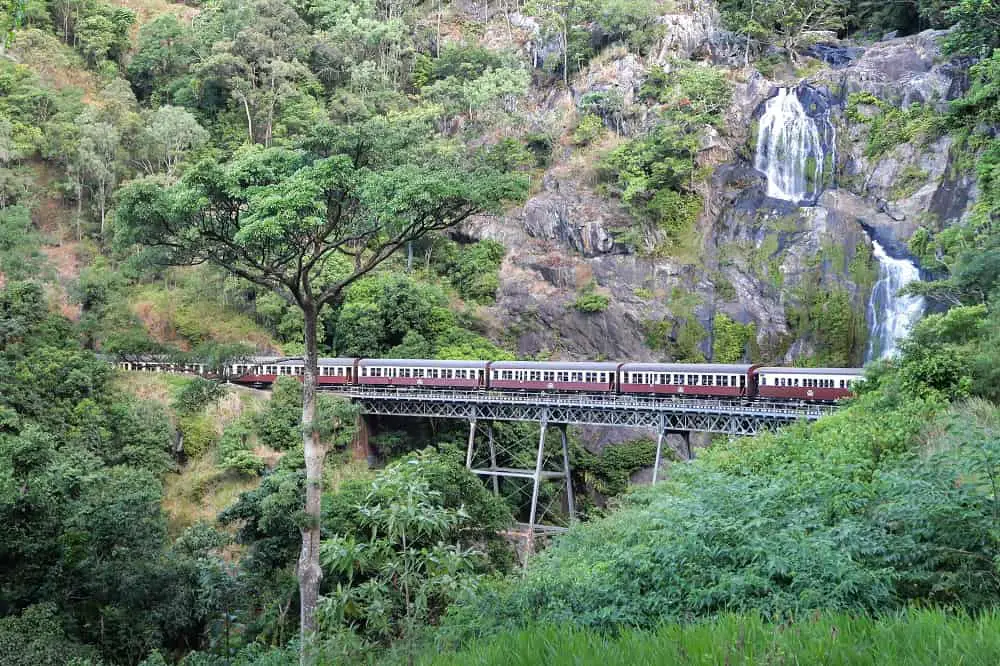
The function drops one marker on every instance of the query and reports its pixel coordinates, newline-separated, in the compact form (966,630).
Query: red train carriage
(258,371)
(422,372)
(337,371)
(693,379)
(263,371)
(554,376)
(818,384)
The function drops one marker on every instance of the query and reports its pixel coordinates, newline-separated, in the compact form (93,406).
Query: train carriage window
(725,380)
(841,383)
(576,376)
(796,381)
(679,380)
(562,376)
(706,380)
(548,376)
(763,380)
(602,377)
(535,376)
(590,377)
(743,381)
(341,371)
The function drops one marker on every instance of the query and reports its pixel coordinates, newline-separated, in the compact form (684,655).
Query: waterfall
(891,316)
(794,146)
(790,148)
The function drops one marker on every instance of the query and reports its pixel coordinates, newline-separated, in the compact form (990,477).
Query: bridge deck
(665,413)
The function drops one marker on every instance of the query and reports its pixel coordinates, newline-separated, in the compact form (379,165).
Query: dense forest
(222,178)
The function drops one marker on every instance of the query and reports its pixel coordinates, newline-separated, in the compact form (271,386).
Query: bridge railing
(592,400)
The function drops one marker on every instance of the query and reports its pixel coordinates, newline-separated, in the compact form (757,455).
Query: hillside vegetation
(157,162)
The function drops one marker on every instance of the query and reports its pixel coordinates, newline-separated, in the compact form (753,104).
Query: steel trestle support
(667,415)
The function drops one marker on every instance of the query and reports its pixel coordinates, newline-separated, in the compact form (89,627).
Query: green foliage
(588,130)
(36,637)
(790,24)
(197,394)
(831,319)
(609,472)
(491,90)
(20,258)
(730,339)
(654,175)
(698,91)
(916,637)
(235,452)
(102,32)
(975,32)
(407,567)
(199,434)
(368,518)
(279,424)
(590,302)
(78,464)
(472,269)
(891,126)
(840,522)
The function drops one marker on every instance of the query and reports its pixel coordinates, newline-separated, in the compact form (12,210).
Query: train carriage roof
(555,365)
(812,371)
(700,368)
(322,361)
(419,363)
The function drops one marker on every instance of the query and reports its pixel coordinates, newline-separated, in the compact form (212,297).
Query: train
(675,380)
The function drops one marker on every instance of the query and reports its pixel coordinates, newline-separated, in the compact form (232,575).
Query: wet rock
(833,54)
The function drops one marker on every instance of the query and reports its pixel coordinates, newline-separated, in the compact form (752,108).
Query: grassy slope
(915,638)
(189,310)
(198,491)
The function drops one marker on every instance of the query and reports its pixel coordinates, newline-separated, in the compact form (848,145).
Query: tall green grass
(912,638)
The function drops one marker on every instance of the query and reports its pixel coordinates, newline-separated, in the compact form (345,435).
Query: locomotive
(702,380)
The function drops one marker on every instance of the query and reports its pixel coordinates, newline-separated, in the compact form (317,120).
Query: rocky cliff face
(757,255)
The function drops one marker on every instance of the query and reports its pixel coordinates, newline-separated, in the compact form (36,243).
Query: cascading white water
(792,149)
(789,149)
(891,315)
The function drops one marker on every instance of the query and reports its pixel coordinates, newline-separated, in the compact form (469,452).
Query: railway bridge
(672,415)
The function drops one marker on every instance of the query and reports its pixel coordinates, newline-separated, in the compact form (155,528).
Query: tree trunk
(309,572)
(566,54)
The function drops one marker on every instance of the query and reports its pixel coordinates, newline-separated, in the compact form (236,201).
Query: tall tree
(287,220)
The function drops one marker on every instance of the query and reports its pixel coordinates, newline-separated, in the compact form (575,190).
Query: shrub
(590,301)
(589,129)
(235,452)
(199,434)
(197,394)
(279,424)
(837,516)
(730,339)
